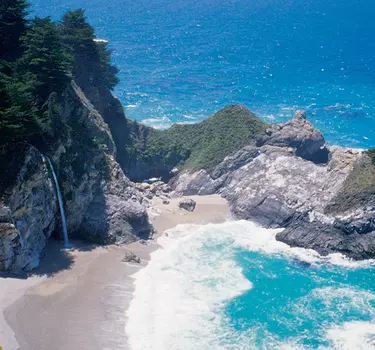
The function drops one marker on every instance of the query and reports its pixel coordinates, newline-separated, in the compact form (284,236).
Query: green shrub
(205,144)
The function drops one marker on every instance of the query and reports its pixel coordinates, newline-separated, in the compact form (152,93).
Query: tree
(19,117)
(12,26)
(44,65)
(91,58)
(107,76)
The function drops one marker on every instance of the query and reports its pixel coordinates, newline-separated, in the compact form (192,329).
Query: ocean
(182,60)
(232,286)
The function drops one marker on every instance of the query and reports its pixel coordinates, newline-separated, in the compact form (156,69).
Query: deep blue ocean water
(182,60)
(232,286)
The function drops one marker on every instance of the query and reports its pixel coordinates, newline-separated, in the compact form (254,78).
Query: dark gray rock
(298,133)
(326,238)
(131,257)
(240,158)
(187,204)
(28,209)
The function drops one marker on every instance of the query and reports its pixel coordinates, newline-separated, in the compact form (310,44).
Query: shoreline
(77,298)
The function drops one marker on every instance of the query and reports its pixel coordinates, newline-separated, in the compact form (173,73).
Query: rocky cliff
(101,204)
(287,177)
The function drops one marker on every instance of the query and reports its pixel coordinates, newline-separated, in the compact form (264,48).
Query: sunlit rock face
(322,195)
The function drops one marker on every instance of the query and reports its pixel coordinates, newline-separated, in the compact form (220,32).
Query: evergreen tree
(12,26)
(107,76)
(19,118)
(44,64)
(91,59)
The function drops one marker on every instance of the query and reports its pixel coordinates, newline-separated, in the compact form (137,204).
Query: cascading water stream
(59,196)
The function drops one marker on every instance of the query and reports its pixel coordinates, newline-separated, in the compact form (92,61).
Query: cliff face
(101,204)
(28,208)
(322,196)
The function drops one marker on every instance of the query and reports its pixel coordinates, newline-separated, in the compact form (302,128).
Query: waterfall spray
(59,196)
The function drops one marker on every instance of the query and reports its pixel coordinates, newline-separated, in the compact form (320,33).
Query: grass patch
(206,144)
(359,186)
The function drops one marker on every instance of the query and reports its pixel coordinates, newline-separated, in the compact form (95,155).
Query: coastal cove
(222,199)
(87,286)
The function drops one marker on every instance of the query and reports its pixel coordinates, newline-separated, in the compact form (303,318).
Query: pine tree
(44,65)
(92,65)
(12,26)
(19,117)
(107,76)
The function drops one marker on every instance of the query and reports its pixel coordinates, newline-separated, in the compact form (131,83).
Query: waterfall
(59,196)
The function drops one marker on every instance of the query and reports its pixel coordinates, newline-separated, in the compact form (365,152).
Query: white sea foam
(135,105)
(158,123)
(179,295)
(353,336)
(189,116)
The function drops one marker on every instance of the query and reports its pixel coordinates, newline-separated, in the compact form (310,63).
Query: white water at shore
(179,296)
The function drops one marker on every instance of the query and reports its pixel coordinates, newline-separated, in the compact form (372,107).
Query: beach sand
(78,297)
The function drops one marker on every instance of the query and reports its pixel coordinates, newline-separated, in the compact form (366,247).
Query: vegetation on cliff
(359,187)
(202,145)
(38,59)
(41,59)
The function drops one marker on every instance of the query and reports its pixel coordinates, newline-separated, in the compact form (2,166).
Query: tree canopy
(45,65)
(38,58)
(13,24)
(91,57)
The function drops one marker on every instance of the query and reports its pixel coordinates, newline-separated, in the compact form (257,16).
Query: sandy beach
(78,297)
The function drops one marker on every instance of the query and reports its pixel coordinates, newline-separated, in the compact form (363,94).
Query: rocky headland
(287,177)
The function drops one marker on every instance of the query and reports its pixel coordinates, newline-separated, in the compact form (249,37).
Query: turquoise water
(233,286)
(182,60)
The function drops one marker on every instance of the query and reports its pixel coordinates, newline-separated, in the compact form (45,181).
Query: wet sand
(78,297)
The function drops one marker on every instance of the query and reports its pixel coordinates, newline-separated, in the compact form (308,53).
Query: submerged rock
(187,204)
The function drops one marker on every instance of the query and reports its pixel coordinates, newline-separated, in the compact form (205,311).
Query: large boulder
(298,133)
(187,204)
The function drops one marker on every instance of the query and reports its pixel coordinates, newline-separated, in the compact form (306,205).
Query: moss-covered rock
(358,188)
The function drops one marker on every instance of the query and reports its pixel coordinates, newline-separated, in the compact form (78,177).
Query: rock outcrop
(28,207)
(290,179)
(307,142)
(101,204)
